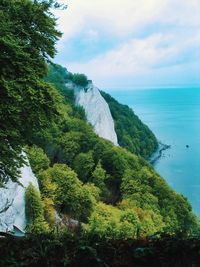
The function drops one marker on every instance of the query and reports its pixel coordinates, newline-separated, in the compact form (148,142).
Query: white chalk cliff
(12,196)
(12,201)
(97,111)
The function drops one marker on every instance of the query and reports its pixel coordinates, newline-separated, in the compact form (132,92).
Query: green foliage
(59,76)
(131,132)
(146,189)
(34,206)
(92,190)
(35,211)
(71,196)
(27,104)
(47,186)
(82,250)
(110,222)
(37,158)
(99,178)
(38,226)
(70,142)
(79,79)
(49,211)
(99,175)
(84,165)
(150,222)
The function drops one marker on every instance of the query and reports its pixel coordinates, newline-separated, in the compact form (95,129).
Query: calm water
(174,116)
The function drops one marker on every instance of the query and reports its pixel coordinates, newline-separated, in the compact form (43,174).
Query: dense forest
(85,181)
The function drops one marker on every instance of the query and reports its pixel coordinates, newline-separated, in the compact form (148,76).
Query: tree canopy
(27,103)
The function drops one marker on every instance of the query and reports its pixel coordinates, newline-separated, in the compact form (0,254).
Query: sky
(127,44)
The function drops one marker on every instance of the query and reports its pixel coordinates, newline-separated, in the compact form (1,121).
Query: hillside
(132,134)
(123,179)
(87,178)
(87,96)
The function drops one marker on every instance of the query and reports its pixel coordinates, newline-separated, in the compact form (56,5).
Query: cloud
(140,55)
(113,40)
(127,17)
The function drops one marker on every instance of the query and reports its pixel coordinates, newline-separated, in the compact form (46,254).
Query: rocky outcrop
(12,202)
(97,111)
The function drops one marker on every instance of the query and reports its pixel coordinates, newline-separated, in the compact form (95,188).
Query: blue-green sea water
(174,117)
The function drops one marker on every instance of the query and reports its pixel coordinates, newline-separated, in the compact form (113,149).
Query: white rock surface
(97,111)
(12,201)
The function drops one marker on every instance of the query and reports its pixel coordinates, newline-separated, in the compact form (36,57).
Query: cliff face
(12,201)
(97,111)
(12,196)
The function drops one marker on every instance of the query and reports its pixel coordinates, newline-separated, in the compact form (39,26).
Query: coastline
(158,153)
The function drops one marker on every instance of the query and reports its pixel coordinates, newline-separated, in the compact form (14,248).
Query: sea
(174,117)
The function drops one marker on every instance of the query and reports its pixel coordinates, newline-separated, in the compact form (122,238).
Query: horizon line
(189,87)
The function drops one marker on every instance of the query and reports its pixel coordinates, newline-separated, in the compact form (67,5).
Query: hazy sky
(132,43)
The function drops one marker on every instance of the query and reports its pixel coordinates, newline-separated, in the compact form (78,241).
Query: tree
(110,222)
(37,158)
(70,146)
(98,178)
(27,40)
(49,211)
(71,197)
(35,211)
(34,205)
(83,165)
(149,222)
(99,175)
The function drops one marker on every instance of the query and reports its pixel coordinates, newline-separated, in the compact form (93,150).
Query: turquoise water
(174,116)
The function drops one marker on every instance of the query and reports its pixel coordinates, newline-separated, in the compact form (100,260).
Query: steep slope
(12,201)
(132,133)
(127,185)
(96,109)
(110,119)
